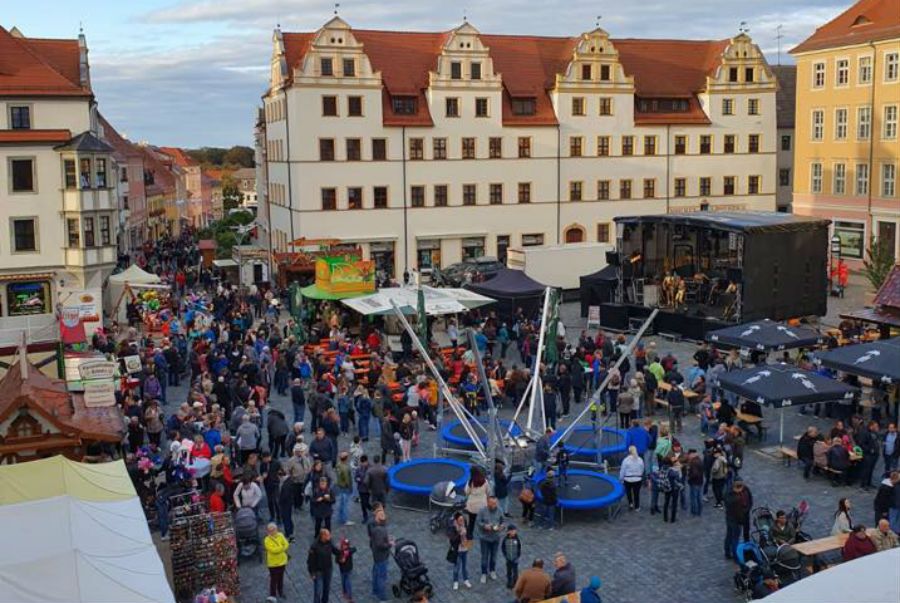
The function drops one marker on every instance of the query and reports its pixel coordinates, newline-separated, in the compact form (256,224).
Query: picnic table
(689,394)
(812,548)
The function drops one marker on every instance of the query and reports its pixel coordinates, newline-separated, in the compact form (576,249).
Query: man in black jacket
(563,578)
(738,504)
(320,564)
(839,460)
(805,450)
(867,440)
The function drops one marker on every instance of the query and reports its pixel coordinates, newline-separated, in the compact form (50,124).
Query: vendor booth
(124,285)
(513,289)
(341,276)
(438,302)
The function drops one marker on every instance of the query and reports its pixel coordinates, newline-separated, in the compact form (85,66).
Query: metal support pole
(494,435)
(535,386)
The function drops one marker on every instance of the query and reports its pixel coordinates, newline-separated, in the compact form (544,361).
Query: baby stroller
(763,520)
(795,517)
(753,568)
(413,573)
(447,501)
(246,533)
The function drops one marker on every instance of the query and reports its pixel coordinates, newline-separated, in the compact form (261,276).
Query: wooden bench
(787,454)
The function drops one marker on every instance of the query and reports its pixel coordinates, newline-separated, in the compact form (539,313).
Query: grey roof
(85,143)
(786,98)
(743,221)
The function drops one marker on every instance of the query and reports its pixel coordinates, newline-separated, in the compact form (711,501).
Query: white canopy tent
(438,302)
(870,579)
(133,276)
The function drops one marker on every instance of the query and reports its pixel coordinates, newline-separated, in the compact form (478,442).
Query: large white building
(426,148)
(58,200)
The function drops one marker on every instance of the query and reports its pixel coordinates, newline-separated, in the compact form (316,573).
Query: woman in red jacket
(858,544)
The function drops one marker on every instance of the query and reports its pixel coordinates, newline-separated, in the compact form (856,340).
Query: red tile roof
(528,66)
(181,158)
(35,136)
(123,147)
(865,21)
(35,67)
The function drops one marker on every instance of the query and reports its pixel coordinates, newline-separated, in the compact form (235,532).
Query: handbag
(452,555)
(526,496)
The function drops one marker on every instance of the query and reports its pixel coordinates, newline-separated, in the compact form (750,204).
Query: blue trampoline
(584,489)
(582,442)
(453,433)
(418,476)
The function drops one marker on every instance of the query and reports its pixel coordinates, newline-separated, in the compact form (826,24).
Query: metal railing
(38,329)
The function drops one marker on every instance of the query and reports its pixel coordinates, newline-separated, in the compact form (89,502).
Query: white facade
(300,179)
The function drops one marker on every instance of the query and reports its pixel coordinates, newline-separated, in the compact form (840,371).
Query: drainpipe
(405,217)
(558,182)
(268,196)
(287,134)
(869,188)
(668,163)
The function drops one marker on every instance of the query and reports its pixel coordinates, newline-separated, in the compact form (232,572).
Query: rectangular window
(818,124)
(680,187)
(22,175)
(753,143)
(440,195)
(380,197)
(649,145)
(889,131)
(705,144)
(532,240)
(649,188)
(705,186)
(89,240)
(729,143)
(862,179)
(104,230)
(628,145)
(100,175)
(818,75)
(841,72)
(840,124)
(891,66)
(354,106)
(329,199)
(604,73)
(524,146)
(495,147)
(496,196)
(753,106)
(864,73)
(326,149)
(404,105)
(603,232)
(355,197)
(25,234)
(727,106)
(815,177)
(20,117)
(605,105)
(752,185)
(888,180)
(732,74)
(326,66)
(417,196)
(470,194)
(575,143)
(468,148)
(839,185)
(728,185)
(603,190)
(786,142)
(70,174)
(575,190)
(749,74)
(475,71)
(852,237)
(354,149)
(524,192)
(603,146)
(863,123)
(481,107)
(439,148)
(784,177)
(73,233)
(379,149)
(578,106)
(625,189)
(680,145)
(586,72)
(329,106)
(452,106)
(523,106)
(349,67)
(455,70)
(416,148)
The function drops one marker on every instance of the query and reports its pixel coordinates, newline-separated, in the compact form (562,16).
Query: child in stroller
(447,501)
(754,578)
(246,532)
(413,573)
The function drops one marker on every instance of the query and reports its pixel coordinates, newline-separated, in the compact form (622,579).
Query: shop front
(472,248)
(428,254)
(384,256)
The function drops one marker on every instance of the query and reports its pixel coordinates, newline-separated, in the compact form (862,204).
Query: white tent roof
(134,274)
(869,579)
(437,301)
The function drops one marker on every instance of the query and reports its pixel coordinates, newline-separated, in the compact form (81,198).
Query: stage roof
(743,221)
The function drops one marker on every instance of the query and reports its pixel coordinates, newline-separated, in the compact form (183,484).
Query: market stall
(126,285)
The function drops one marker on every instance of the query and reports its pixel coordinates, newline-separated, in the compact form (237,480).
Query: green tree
(879,262)
(231,194)
(239,156)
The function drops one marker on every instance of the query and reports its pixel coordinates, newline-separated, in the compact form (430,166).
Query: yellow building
(846,143)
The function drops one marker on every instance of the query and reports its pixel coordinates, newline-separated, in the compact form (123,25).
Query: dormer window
(349,68)
(733,74)
(326,66)
(604,73)
(748,74)
(586,72)
(523,106)
(404,105)
(476,71)
(455,70)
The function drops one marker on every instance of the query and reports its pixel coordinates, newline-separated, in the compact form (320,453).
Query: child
(356,452)
(512,550)
(526,497)
(706,414)
(344,557)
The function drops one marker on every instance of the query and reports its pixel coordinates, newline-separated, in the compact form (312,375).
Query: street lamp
(835,251)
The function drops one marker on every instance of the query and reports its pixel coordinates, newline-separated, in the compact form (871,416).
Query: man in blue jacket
(638,437)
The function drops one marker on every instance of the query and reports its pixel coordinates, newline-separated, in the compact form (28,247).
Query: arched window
(574,234)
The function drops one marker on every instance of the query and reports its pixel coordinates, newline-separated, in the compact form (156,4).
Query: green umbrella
(423,318)
(551,354)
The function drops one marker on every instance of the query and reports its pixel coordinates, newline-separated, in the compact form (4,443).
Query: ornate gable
(464,61)
(595,64)
(741,66)
(335,56)
(278,67)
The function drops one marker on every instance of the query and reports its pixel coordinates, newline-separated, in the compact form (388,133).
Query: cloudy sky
(190,72)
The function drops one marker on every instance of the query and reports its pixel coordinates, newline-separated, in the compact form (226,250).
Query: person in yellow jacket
(276,559)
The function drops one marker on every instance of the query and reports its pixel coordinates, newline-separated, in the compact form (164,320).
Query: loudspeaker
(612,258)
(651,295)
(735,275)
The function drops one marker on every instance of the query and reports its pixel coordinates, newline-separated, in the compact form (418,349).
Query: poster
(133,364)
(28,298)
(99,393)
(87,302)
(345,274)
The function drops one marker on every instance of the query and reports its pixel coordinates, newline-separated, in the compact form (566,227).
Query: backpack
(661,480)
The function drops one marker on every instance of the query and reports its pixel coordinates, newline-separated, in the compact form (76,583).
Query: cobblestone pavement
(638,557)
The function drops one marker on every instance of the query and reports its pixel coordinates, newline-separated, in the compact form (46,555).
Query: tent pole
(519,407)
(536,371)
(781,428)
